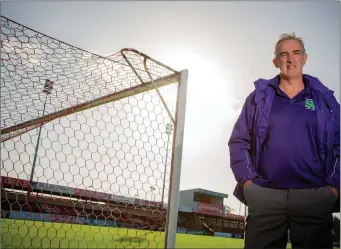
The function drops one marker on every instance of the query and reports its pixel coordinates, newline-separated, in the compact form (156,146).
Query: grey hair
(286,37)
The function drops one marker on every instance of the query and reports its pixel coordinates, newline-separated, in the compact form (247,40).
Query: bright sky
(224,45)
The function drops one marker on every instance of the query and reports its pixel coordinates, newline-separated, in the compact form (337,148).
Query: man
(284,153)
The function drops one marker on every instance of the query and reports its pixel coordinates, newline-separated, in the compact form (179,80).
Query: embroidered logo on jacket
(310,104)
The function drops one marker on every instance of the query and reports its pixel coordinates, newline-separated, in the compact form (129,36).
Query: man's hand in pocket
(246,184)
(334,191)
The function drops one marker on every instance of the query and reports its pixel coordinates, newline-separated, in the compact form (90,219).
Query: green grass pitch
(37,234)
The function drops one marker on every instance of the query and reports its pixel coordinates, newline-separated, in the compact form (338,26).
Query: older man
(284,152)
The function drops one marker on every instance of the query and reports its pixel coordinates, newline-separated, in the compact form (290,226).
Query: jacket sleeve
(334,168)
(240,144)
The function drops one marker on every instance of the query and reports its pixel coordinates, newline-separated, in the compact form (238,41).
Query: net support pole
(173,200)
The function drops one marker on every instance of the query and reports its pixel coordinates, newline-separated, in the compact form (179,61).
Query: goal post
(172,215)
(91,146)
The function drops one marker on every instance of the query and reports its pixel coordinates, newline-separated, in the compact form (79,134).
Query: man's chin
(291,75)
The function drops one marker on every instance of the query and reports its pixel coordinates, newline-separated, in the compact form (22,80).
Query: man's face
(290,59)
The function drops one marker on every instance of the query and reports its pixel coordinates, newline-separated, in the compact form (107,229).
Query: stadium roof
(208,192)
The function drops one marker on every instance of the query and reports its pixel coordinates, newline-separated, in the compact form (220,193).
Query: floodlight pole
(178,137)
(168,131)
(151,192)
(47,90)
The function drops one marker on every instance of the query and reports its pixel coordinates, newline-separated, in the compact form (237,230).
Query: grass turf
(37,234)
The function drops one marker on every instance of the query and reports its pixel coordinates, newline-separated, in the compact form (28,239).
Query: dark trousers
(305,213)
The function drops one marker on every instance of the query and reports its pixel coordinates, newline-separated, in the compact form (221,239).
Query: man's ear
(305,59)
(275,62)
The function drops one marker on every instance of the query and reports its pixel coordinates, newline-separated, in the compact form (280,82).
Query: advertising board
(147,203)
(13,182)
(181,230)
(124,199)
(196,232)
(91,194)
(209,209)
(226,235)
(53,188)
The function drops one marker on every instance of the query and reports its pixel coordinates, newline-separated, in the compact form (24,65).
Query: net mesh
(86,144)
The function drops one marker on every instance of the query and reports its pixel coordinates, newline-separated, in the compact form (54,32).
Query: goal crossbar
(173,78)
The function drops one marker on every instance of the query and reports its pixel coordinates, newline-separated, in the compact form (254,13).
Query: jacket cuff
(251,176)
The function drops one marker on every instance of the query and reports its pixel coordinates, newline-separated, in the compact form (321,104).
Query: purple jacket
(250,132)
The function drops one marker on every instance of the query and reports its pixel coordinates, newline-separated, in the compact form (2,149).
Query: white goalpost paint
(173,201)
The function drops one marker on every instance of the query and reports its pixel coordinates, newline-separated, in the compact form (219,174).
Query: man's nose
(289,58)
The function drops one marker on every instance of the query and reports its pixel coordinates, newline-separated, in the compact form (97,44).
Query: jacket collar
(312,82)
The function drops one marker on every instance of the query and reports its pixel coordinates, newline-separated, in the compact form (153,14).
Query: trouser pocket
(266,225)
(310,217)
(311,202)
(263,200)
(328,194)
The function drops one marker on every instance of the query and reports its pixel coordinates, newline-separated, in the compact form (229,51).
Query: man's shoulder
(261,88)
(321,90)
(316,84)
(262,84)
(250,99)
